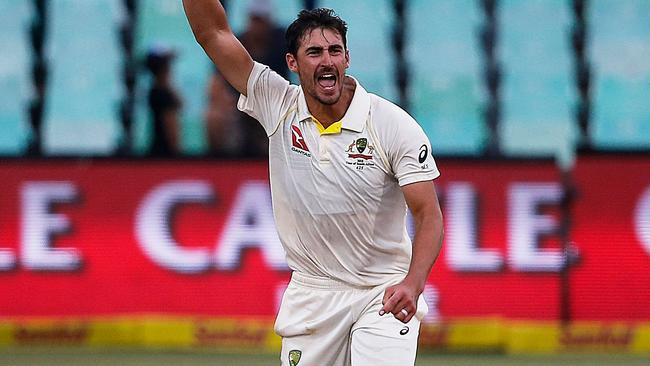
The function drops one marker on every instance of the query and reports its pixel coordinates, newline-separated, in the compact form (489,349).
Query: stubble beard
(329,101)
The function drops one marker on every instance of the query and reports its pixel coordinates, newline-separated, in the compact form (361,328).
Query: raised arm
(211,30)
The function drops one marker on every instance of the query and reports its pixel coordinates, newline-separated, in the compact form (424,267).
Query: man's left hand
(401,301)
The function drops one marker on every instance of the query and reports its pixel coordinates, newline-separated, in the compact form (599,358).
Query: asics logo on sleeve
(424,151)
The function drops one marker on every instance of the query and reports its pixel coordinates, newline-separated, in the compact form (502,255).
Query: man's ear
(292,62)
(347,59)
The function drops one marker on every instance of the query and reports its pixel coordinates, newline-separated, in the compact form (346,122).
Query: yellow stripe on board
(641,343)
(118,331)
(191,332)
(532,337)
(6,333)
(476,334)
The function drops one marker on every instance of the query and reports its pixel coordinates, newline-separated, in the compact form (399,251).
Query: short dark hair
(309,20)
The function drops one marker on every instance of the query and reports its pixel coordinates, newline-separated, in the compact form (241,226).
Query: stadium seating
(446,93)
(446,83)
(538,94)
(84,87)
(15,85)
(621,79)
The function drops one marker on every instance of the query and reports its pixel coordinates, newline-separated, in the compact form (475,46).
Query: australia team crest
(360,153)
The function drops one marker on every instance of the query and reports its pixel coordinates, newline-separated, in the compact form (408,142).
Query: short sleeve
(410,154)
(266,97)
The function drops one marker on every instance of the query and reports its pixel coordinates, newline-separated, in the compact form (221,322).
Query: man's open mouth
(327,80)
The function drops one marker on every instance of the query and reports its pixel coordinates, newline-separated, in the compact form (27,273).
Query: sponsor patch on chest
(298,143)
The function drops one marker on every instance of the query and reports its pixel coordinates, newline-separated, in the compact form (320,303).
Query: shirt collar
(354,118)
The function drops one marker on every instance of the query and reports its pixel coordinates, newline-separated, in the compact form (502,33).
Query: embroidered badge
(294,357)
(360,153)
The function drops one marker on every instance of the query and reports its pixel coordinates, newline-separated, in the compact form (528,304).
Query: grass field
(130,357)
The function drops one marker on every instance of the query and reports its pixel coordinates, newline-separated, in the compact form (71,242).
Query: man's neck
(328,114)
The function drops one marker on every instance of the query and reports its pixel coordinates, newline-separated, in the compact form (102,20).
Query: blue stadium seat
(620,55)
(84,87)
(15,83)
(446,93)
(538,91)
(369,42)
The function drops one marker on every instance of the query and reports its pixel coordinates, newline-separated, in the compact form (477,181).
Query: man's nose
(327,59)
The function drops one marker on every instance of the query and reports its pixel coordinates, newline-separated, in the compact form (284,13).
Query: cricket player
(344,166)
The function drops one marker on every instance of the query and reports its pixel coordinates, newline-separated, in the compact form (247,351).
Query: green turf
(130,357)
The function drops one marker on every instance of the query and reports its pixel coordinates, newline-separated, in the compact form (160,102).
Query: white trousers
(323,322)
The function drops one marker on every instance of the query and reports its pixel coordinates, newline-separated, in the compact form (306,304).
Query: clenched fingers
(399,303)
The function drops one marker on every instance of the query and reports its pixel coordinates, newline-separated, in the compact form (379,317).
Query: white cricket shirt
(337,202)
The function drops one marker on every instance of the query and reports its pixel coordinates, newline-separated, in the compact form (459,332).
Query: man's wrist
(415,283)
